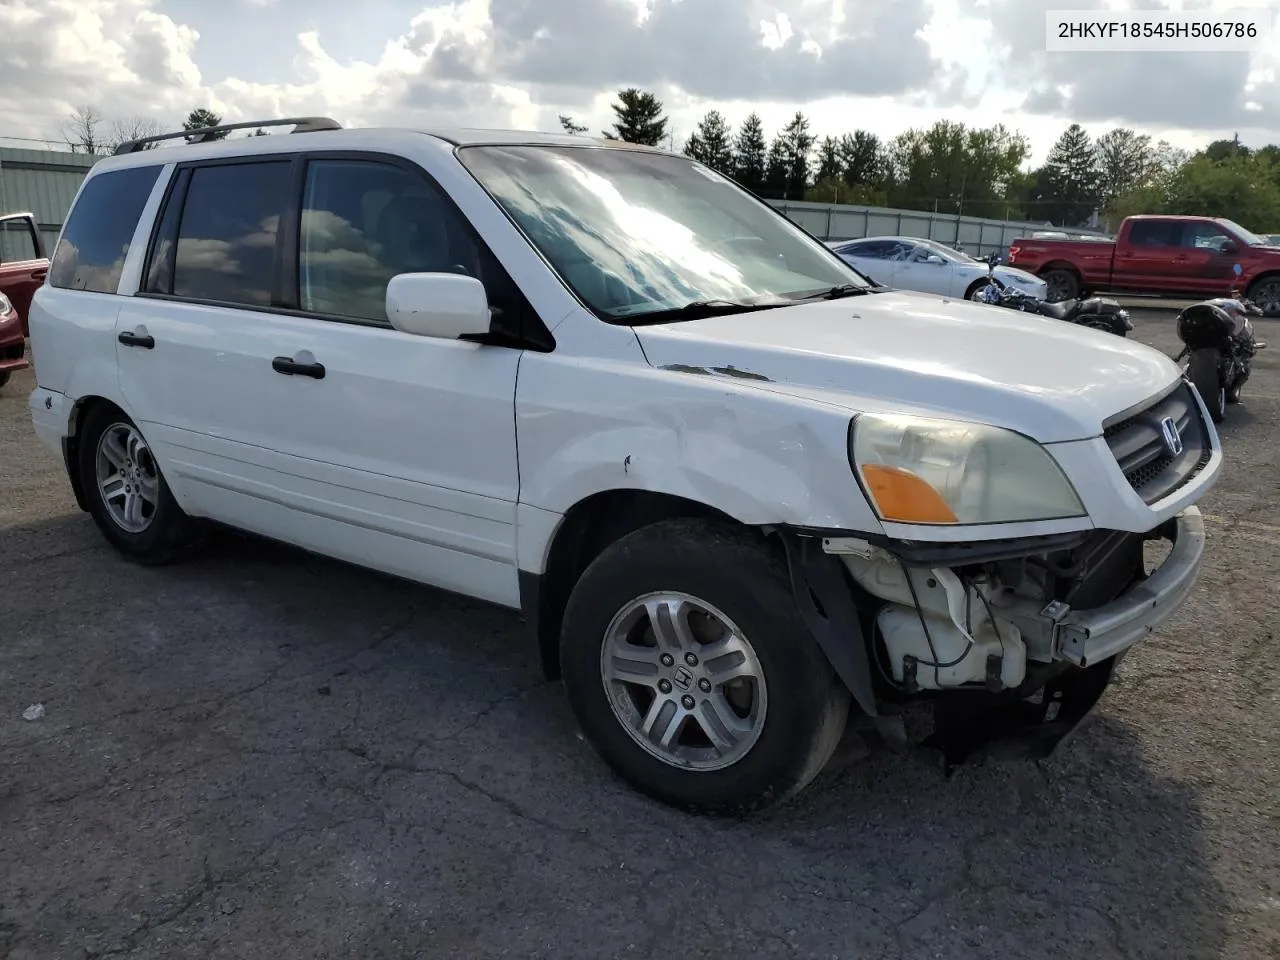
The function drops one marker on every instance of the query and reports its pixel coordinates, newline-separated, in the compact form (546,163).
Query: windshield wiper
(698,309)
(837,292)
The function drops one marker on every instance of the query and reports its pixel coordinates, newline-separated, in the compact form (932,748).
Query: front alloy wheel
(691,672)
(684,681)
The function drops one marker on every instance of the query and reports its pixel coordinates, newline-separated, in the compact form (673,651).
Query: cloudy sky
(883,65)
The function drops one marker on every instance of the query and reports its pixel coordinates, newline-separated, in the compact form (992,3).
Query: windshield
(945,252)
(634,233)
(1252,239)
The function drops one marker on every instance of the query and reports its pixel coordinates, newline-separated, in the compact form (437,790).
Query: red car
(23,267)
(1170,256)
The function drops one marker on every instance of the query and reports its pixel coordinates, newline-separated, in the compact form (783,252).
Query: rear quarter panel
(1089,258)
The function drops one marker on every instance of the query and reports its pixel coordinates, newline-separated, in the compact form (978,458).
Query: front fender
(755,454)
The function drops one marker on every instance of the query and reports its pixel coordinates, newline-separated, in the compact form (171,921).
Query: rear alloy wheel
(1062,285)
(125,490)
(691,672)
(1266,294)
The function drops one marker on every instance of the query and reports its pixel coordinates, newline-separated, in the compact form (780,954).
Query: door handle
(39,274)
(131,339)
(290,368)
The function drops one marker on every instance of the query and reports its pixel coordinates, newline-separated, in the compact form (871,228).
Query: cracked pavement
(260,753)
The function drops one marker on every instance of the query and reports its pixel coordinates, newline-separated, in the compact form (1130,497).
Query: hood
(896,352)
(1021,277)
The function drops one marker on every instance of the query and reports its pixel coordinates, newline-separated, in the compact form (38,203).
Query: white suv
(743,497)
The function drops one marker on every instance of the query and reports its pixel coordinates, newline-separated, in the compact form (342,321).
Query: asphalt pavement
(264,754)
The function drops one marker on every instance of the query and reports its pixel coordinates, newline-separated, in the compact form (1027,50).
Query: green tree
(200,118)
(1125,161)
(797,151)
(1223,149)
(830,163)
(949,167)
(640,118)
(711,143)
(571,126)
(862,160)
(1240,187)
(776,170)
(1068,190)
(750,154)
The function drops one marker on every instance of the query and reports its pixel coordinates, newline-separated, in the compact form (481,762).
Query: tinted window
(1155,233)
(1205,236)
(227,238)
(363,222)
(91,252)
(17,243)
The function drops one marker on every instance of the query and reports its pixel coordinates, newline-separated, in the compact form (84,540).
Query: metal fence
(45,182)
(977,236)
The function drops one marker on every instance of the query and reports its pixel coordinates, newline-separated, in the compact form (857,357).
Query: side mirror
(441,305)
(934,259)
(1229,246)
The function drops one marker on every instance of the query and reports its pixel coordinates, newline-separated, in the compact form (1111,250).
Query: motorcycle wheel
(1202,371)
(1234,391)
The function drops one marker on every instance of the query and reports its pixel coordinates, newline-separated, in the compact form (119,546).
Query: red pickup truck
(1162,256)
(23,267)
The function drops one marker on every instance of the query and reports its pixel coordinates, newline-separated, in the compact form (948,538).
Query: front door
(1148,260)
(285,401)
(1204,264)
(22,264)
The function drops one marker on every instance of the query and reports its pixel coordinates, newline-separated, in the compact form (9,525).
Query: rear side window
(1156,233)
(90,254)
(226,247)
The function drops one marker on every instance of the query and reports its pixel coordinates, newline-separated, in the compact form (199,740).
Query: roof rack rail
(205,134)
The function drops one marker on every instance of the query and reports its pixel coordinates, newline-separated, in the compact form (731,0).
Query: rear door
(22,262)
(1148,259)
(284,401)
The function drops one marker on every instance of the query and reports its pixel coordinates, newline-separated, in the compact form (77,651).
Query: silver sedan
(911,263)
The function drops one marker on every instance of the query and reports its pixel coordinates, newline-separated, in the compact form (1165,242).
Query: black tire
(4,377)
(1062,284)
(736,573)
(1265,292)
(1202,371)
(169,531)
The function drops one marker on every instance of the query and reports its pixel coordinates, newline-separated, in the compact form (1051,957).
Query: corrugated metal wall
(975,235)
(43,182)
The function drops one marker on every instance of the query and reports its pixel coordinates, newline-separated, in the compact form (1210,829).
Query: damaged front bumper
(1075,650)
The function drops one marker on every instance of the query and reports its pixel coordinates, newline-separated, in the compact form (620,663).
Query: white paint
(442,305)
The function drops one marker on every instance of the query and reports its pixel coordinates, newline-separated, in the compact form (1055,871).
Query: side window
(870,250)
(363,222)
(17,243)
(1204,236)
(226,249)
(90,254)
(899,251)
(1155,233)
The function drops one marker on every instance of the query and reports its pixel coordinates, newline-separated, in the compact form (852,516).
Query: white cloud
(873,64)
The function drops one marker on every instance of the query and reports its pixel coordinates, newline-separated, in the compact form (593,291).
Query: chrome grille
(1144,457)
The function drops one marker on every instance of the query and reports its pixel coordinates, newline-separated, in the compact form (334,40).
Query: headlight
(5,305)
(916,470)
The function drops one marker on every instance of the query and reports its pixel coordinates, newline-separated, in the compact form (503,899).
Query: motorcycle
(1099,313)
(1218,347)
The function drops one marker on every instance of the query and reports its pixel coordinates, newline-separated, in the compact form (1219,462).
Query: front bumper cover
(1086,637)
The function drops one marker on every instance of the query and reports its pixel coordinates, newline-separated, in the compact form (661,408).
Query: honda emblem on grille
(1172,438)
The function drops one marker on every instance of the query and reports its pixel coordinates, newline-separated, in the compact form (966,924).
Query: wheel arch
(1263,277)
(79,410)
(582,534)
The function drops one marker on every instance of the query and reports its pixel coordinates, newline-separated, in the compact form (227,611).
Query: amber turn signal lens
(903,497)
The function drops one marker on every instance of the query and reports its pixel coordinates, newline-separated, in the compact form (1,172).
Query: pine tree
(830,164)
(862,158)
(200,118)
(797,146)
(1069,187)
(571,126)
(749,154)
(777,169)
(711,143)
(640,118)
